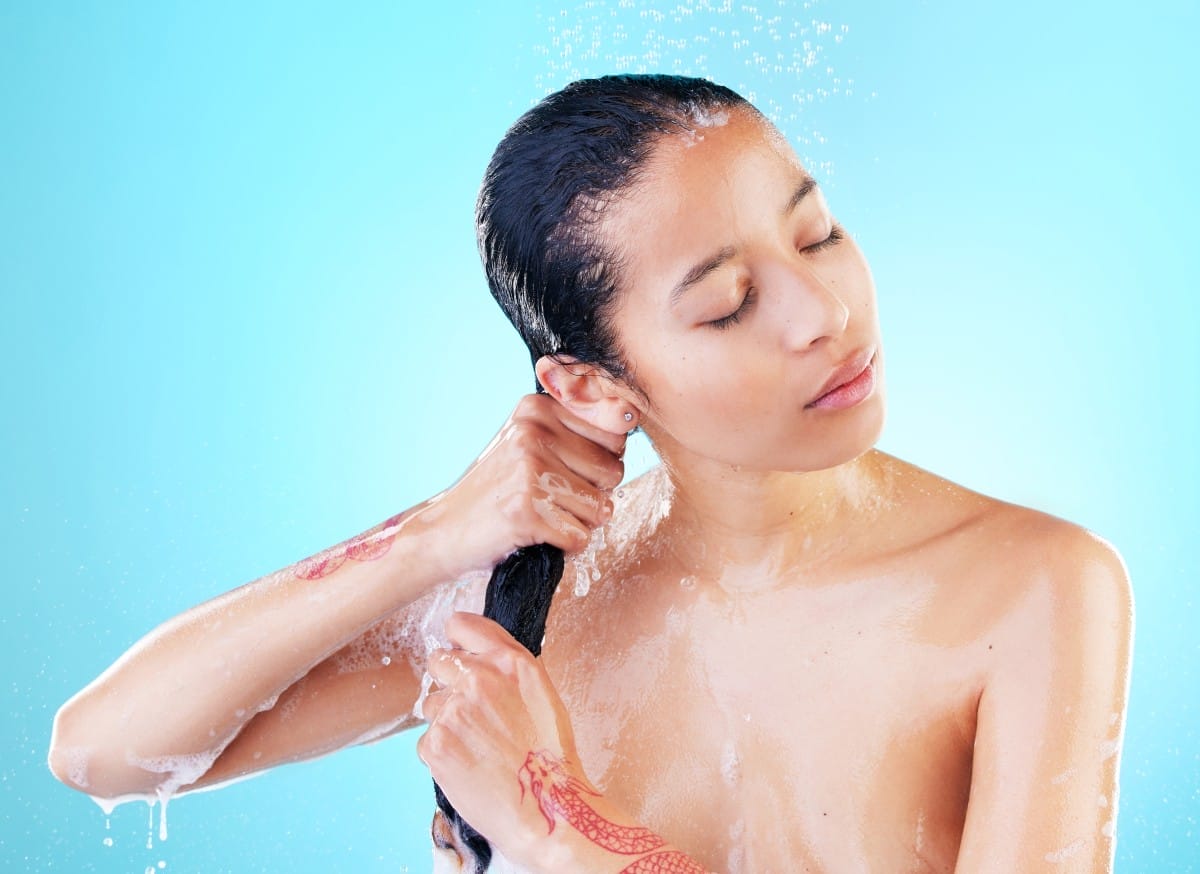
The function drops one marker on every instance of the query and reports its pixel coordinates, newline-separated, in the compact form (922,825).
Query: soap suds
(639,507)
(415,631)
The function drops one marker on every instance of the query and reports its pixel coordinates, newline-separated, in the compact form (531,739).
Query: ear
(588,392)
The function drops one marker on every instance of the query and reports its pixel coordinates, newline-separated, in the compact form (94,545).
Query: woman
(781,650)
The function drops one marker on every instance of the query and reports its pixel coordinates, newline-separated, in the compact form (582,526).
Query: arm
(255,677)
(160,715)
(501,747)
(1051,719)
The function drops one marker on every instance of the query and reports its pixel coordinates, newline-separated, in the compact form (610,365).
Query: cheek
(715,389)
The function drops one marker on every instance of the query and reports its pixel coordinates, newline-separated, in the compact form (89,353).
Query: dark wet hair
(536,218)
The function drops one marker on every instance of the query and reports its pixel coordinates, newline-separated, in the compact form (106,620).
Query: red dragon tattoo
(666,862)
(558,794)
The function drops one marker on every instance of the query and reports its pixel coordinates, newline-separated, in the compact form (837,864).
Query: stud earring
(628,416)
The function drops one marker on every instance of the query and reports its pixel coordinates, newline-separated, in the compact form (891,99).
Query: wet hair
(536,219)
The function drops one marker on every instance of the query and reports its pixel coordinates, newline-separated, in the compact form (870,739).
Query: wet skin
(828,722)
(823,658)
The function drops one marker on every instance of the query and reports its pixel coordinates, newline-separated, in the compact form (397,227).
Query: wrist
(447,548)
(542,849)
(425,558)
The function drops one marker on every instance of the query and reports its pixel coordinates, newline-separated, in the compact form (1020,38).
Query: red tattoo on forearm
(361,547)
(666,862)
(558,794)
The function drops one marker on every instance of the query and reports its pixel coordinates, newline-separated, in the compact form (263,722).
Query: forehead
(722,147)
(700,191)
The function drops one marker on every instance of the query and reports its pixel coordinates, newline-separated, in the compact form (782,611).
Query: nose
(812,308)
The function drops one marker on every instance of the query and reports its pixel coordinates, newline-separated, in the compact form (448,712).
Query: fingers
(595,463)
(613,442)
(447,667)
(434,702)
(484,653)
(479,636)
(547,411)
(571,509)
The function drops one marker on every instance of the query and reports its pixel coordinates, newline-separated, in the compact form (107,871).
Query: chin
(832,445)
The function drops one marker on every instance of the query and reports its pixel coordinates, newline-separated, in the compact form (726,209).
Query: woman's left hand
(496,707)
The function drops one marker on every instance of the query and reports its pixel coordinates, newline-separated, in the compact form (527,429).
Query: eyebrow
(807,184)
(708,265)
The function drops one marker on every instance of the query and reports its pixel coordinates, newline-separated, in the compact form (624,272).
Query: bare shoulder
(997,527)
(1005,553)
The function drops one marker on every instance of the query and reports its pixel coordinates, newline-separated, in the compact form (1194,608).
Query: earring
(628,416)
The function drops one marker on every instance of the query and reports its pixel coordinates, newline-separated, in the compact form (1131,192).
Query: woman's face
(727,225)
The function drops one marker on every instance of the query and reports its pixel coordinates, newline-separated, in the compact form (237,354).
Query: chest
(763,731)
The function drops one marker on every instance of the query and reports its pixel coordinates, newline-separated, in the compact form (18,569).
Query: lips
(845,372)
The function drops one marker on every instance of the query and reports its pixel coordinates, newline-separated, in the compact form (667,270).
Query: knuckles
(431,746)
(531,406)
(528,436)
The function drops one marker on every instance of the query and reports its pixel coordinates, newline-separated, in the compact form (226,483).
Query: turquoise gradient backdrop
(243,318)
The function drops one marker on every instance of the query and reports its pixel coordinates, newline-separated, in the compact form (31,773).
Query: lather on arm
(183,692)
(172,711)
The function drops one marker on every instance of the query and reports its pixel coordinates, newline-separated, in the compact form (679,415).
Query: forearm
(190,685)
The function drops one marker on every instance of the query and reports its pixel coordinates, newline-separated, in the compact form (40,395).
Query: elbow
(83,758)
(101,758)
(69,757)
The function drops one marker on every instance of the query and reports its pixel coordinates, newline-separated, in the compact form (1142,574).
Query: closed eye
(736,316)
(836,235)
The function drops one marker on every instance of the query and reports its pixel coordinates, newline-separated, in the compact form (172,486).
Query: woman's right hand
(546,477)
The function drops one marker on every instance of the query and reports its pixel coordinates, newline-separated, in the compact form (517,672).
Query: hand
(546,477)
(496,707)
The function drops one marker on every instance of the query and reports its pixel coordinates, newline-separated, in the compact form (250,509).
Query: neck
(755,529)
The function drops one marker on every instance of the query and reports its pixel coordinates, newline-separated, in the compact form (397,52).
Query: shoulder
(1066,589)
(1029,567)
(1039,543)
(1065,561)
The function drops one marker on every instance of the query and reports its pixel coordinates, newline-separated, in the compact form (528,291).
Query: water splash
(586,571)
(783,57)
(639,507)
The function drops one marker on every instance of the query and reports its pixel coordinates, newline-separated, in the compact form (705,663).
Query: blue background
(243,318)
